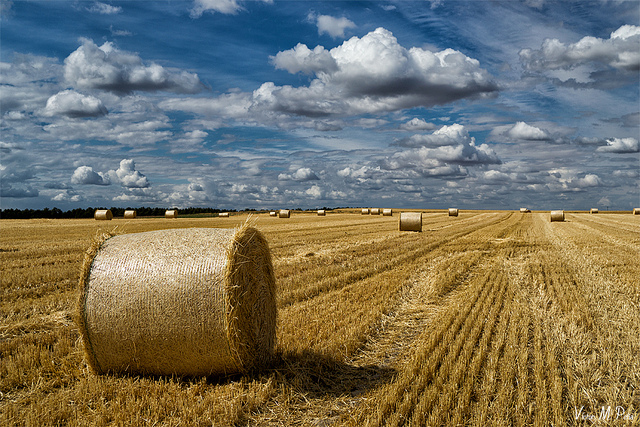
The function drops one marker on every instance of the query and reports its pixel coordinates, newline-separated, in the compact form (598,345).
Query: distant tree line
(88,212)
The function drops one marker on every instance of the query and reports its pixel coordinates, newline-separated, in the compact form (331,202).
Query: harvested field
(492,318)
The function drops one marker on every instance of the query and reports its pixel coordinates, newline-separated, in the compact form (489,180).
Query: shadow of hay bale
(317,375)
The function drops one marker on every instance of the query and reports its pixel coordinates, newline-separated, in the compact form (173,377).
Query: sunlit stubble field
(490,318)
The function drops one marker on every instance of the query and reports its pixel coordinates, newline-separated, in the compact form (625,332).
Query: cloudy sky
(267,104)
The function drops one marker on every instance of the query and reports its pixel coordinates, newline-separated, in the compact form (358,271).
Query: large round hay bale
(375,211)
(525,210)
(273,213)
(197,301)
(593,210)
(410,221)
(103,215)
(453,211)
(171,213)
(557,216)
(284,213)
(321,212)
(223,215)
(636,211)
(130,214)
(387,212)
(365,211)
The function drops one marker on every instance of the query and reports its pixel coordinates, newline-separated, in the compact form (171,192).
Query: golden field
(491,318)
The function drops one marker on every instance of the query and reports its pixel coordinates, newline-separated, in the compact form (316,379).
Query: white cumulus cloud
(620,50)
(85,175)
(128,176)
(108,68)
(226,7)
(335,27)
(301,174)
(73,104)
(620,145)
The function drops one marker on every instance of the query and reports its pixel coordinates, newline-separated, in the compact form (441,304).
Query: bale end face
(410,221)
(184,301)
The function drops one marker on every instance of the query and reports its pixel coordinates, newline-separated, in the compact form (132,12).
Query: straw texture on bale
(172,213)
(375,211)
(636,211)
(284,213)
(387,212)
(593,210)
(224,214)
(130,214)
(557,216)
(453,211)
(198,301)
(365,211)
(321,212)
(273,213)
(410,221)
(103,215)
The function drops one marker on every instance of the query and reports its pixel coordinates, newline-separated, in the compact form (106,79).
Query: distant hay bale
(453,211)
(410,221)
(321,212)
(375,211)
(365,211)
(129,214)
(171,213)
(593,210)
(636,211)
(103,215)
(223,214)
(273,213)
(557,216)
(197,301)
(387,212)
(284,213)
(525,210)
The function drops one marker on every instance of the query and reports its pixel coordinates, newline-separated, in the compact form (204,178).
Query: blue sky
(268,104)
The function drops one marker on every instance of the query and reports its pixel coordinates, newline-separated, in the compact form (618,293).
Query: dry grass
(494,319)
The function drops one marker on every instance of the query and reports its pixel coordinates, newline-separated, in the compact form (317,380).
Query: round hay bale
(365,211)
(375,211)
(410,221)
(223,214)
(284,213)
(636,211)
(387,212)
(593,210)
(453,211)
(525,210)
(103,215)
(171,213)
(557,216)
(129,214)
(321,212)
(197,301)
(273,213)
